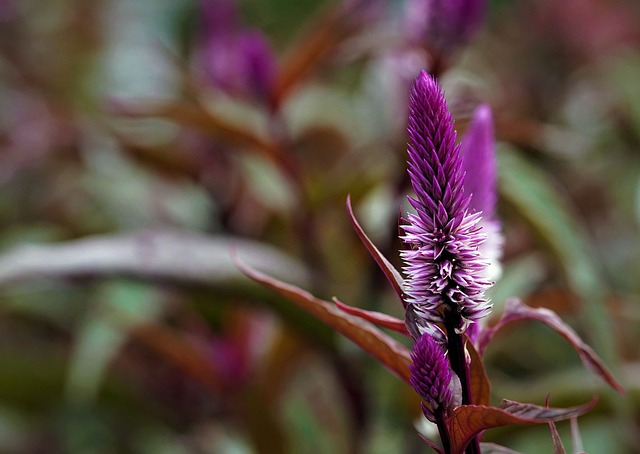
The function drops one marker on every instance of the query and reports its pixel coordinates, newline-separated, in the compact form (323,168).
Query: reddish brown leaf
(377,318)
(193,115)
(516,310)
(320,40)
(469,420)
(394,277)
(393,355)
(431,444)
(480,386)
(558,447)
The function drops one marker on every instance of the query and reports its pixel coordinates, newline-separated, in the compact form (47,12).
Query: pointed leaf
(480,386)
(469,420)
(517,310)
(492,448)
(431,444)
(393,275)
(393,355)
(377,318)
(558,447)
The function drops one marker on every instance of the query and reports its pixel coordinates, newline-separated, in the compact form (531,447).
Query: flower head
(444,24)
(431,376)
(479,164)
(443,265)
(232,58)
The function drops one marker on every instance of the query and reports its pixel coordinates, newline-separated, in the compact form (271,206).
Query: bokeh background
(143,140)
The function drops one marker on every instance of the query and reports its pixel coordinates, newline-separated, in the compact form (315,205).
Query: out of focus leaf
(195,116)
(529,190)
(576,438)
(558,447)
(393,355)
(469,420)
(516,310)
(377,318)
(152,254)
(122,306)
(323,37)
(393,275)
(492,448)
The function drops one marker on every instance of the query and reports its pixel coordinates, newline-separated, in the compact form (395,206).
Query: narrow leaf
(558,447)
(480,386)
(545,413)
(393,275)
(195,116)
(167,255)
(393,355)
(516,310)
(431,444)
(469,420)
(377,318)
(492,448)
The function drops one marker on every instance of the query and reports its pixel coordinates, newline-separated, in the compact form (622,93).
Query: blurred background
(143,140)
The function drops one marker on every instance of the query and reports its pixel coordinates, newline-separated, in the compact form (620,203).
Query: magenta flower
(445,272)
(479,164)
(236,60)
(444,24)
(431,376)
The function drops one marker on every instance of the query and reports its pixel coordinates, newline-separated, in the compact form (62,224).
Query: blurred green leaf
(120,308)
(535,198)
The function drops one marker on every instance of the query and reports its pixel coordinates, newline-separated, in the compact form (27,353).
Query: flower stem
(443,430)
(455,346)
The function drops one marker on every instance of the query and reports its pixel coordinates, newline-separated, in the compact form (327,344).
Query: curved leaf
(480,386)
(393,275)
(468,421)
(377,318)
(393,355)
(517,310)
(150,254)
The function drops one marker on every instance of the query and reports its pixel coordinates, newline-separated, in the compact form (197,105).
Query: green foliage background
(126,327)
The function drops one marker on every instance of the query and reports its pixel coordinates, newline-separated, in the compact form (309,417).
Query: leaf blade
(516,310)
(393,355)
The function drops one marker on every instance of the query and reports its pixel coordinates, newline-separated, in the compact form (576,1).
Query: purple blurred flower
(479,164)
(236,60)
(431,376)
(444,269)
(444,24)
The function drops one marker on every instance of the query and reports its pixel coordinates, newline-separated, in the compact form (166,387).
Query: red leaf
(469,420)
(394,277)
(431,444)
(393,355)
(517,310)
(558,447)
(480,386)
(377,318)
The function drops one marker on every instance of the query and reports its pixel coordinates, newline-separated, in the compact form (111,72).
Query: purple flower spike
(479,162)
(236,60)
(444,24)
(480,166)
(431,376)
(444,268)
